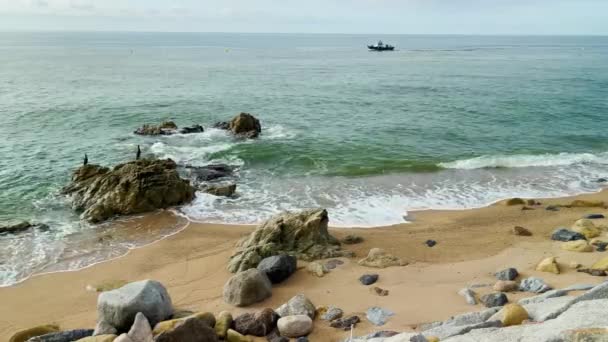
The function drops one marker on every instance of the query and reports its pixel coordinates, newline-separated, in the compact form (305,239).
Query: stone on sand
(260,323)
(469,295)
(119,307)
(521,231)
(534,284)
(379,258)
(587,228)
(601,264)
(491,300)
(580,246)
(507,274)
(513,314)
(223,323)
(278,267)
(563,234)
(140,330)
(189,330)
(506,286)
(26,334)
(295,326)
(302,234)
(548,265)
(298,305)
(317,269)
(247,287)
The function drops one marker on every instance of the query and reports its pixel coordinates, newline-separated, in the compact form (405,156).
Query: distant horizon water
(445,122)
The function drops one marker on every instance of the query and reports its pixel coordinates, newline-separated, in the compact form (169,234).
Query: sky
(310,16)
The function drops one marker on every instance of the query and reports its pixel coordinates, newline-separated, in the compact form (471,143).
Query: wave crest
(526,160)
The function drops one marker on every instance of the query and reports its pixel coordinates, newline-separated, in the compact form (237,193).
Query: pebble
(507,274)
(506,286)
(333,263)
(521,231)
(368,279)
(345,323)
(563,234)
(552,208)
(380,292)
(431,243)
(594,216)
(595,273)
(332,314)
(469,296)
(494,299)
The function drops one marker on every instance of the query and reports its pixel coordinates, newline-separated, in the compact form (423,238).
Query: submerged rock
(21,227)
(201,174)
(303,235)
(119,307)
(247,287)
(379,258)
(165,128)
(227,190)
(131,188)
(245,125)
(192,129)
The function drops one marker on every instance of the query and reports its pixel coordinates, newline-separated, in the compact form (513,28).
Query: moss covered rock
(303,235)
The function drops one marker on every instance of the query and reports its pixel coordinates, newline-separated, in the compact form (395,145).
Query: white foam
(523,160)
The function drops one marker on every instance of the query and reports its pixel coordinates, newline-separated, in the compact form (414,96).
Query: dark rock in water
(494,299)
(368,279)
(595,273)
(220,190)
(507,274)
(222,125)
(259,324)
(192,129)
(190,330)
(594,216)
(552,208)
(563,234)
(303,234)
(245,125)
(22,227)
(431,243)
(63,336)
(278,267)
(601,180)
(352,239)
(345,323)
(132,188)
(165,128)
(333,263)
(209,172)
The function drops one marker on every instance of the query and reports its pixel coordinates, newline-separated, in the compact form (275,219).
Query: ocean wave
(526,160)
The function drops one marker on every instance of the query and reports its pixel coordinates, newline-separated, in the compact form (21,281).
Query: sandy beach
(471,246)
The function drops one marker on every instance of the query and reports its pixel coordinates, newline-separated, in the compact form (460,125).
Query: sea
(442,122)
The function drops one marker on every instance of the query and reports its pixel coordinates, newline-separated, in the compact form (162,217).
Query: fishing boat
(380,46)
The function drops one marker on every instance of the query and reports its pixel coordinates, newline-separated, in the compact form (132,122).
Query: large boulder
(303,235)
(165,128)
(245,125)
(119,307)
(131,188)
(247,287)
(278,267)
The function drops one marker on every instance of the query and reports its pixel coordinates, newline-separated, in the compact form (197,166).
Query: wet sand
(471,246)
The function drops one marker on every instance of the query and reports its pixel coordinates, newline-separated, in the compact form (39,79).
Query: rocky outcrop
(21,227)
(247,287)
(245,125)
(131,188)
(119,307)
(303,235)
(165,128)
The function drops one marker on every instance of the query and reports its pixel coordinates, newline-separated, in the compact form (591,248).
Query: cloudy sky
(315,16)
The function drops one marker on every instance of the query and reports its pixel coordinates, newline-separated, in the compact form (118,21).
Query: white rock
(140,330)
(295,326)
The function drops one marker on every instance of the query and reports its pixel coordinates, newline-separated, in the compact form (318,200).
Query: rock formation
(303,235)
(131,188)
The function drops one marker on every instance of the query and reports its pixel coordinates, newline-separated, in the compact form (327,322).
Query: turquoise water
(444,122)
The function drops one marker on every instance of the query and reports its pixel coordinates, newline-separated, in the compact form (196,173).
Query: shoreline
(191,262)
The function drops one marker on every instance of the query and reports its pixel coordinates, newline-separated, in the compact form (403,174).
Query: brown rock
(515,201)
(260,323)
(378,291)
(521,231)
(506,286)
(245,125)
(189,330)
